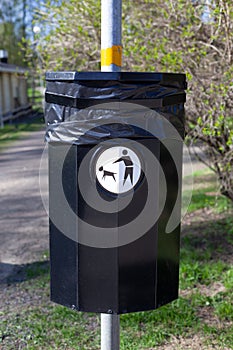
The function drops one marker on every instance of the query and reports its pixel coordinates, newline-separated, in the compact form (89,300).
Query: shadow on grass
(11,273)
(209,240)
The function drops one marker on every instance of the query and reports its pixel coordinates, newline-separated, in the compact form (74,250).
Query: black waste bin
(115,156)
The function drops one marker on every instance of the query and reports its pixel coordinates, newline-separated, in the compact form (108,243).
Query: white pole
(110,332)
(111,48)
(111,60)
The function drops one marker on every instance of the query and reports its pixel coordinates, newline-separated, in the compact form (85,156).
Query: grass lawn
(202,317)
(12,132)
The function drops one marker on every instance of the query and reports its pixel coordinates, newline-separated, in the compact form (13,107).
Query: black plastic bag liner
(86,107)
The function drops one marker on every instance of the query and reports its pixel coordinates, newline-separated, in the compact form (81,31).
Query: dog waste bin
(115,156)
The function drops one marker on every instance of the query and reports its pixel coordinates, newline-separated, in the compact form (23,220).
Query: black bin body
(144,273)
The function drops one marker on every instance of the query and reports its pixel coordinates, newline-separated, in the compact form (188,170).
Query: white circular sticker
(118,169)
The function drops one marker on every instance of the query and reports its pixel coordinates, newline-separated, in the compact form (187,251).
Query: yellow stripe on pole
(111,55)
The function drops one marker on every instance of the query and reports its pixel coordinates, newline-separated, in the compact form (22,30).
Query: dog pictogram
(118,169)
(107,173)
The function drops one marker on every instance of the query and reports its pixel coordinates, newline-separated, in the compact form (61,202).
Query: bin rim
(166,79)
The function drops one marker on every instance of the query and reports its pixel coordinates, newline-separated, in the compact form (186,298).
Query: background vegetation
(195,37)
(190,36)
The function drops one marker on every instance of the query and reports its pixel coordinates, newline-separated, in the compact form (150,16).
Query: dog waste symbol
(118,169)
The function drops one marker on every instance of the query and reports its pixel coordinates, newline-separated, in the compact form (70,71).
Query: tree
(162,35)
(70,35)
(9,37)
(177,39)
(16,27)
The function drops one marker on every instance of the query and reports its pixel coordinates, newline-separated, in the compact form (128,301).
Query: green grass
(202,200)
(50,326)
(12,132)
(204,273)
(205,193)
(202,309)
(148,329)
(53,327)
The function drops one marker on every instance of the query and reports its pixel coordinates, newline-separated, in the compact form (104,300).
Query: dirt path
(23,220)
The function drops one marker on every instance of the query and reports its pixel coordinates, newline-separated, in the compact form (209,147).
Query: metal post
(111,48)
(110,332)
(111,61)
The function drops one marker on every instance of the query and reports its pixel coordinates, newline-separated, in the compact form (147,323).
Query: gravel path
(23,220)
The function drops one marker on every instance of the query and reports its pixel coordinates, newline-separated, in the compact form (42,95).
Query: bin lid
(166,79)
